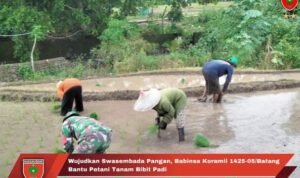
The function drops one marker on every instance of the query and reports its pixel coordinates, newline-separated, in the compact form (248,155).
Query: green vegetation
(153,130)
(55,107)
(94,115)
(77,70)
(201,141)
(176,33)
(37,20)
(255,31)
(98,85)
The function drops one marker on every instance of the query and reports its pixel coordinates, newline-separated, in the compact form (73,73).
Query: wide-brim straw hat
(147,100)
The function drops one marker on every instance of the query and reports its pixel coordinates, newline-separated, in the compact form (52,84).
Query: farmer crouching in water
(169,103)
(90,134)
(211,71)
(69,90)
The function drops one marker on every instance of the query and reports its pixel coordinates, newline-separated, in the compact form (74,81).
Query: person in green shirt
(169,103)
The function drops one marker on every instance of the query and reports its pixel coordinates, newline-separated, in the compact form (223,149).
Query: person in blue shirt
(211,71)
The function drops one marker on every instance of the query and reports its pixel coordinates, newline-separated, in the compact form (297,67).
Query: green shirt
(172,101)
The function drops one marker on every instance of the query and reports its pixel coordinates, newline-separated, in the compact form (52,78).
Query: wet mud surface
(256,122)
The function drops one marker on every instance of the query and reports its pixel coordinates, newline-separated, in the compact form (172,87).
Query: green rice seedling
(55,107)
(94,115)
(201,141)
(153,130)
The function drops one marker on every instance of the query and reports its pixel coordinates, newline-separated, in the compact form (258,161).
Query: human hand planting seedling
(201,141)
(169,103)
(94,115)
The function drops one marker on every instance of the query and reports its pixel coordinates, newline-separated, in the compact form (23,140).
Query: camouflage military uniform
(91,135)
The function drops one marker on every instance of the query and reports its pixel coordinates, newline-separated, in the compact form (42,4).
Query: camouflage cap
(70,114)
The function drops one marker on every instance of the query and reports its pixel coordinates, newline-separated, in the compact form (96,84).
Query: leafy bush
(117,31)
(174,45)
(115,45)
(255,31)
(25,71)
(20,19)
(137,62)
(290,57)
(77,70)
(152,28)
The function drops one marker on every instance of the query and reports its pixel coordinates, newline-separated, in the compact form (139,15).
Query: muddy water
(265,122)
(157,81)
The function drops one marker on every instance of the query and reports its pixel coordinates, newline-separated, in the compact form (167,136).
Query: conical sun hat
(147,100)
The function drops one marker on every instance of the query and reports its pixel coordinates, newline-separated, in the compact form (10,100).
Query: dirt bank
(185,72)
(47,96)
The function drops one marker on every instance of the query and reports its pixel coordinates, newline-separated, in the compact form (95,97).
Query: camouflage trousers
(180,119)
(96,142)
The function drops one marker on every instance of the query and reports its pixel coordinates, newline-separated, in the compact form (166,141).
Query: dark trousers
(74,93)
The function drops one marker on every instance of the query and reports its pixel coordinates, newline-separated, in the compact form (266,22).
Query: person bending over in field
(91,136)
(69,90)
(169,103)
(211,71)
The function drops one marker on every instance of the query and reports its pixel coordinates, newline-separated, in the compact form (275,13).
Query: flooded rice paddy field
(261,122)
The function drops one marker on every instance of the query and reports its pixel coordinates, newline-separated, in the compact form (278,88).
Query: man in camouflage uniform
(90,134)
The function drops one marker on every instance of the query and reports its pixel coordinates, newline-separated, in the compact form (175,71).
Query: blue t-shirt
(218,68)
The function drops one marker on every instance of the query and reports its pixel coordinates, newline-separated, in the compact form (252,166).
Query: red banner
(182,165)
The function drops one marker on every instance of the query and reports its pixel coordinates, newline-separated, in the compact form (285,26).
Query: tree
(255,31)
(23,20)
(57,17)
